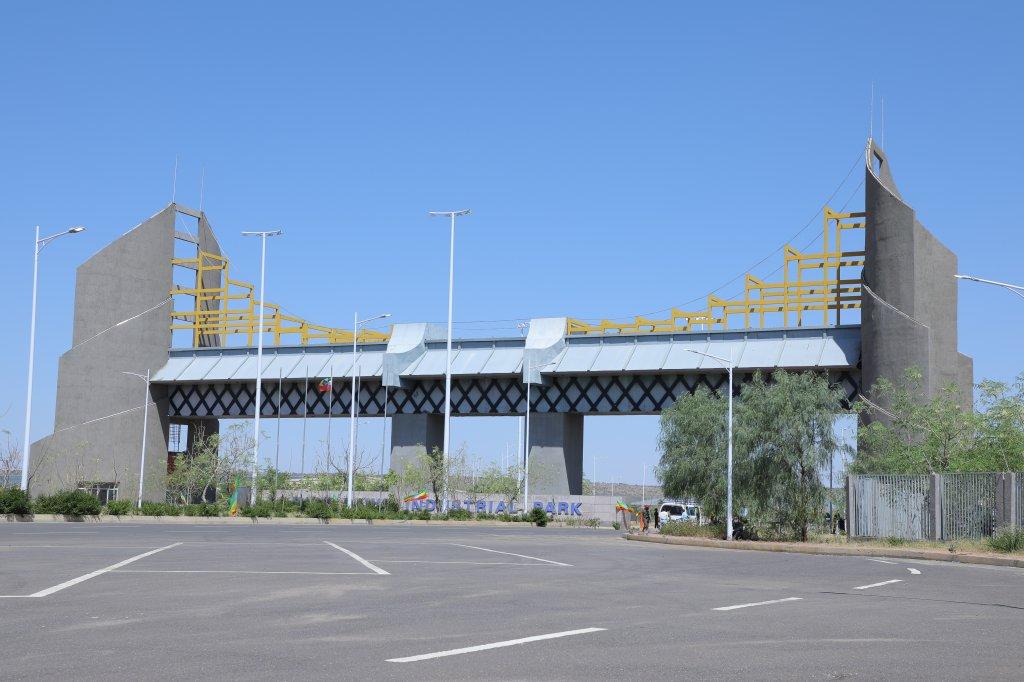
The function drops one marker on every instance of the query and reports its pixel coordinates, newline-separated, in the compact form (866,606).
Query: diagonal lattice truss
(600,394)
(223,307)
(823,283)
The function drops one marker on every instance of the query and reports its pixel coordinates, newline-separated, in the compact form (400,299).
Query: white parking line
(376,569)
(884,582)
(82,578)
(470,563)
(914,571)
(129,570)
(756,603)
(521,556)
(495,645)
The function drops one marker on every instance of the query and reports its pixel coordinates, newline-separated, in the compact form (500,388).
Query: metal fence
(968,505)
(893,506)
(934,506)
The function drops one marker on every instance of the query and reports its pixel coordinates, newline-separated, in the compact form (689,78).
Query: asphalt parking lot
(90,601)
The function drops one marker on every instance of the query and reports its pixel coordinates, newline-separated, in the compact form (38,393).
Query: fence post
(851,507)
(1002,500)
(935,506)
(1011,498)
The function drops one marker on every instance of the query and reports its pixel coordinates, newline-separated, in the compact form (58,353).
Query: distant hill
(628,492)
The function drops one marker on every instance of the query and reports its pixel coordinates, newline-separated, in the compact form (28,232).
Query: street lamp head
(76,229)
(448,214)
(262,233)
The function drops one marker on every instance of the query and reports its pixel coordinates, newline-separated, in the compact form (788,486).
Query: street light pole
(259,356)
(1012,288)
(354,402)
(728,489)
(145,423)
(39,244)
(448,348)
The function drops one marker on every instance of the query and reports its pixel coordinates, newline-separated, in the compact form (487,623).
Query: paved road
(337,602)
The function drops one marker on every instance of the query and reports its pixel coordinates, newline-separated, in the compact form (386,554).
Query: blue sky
(619,157)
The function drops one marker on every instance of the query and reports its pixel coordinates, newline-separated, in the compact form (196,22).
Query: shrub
(159,509)
(119,507)
(262,509)
(423,515)
(318,509)
(690,529)
(615,525)
(1007,539)
(459,515)
(538,516)
(894,541)
(365,511)
(68,503)
(202,509)
(15,501)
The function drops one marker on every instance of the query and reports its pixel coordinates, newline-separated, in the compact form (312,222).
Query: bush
(262,509)
(1007,539)
(15,501)
(318,509)
(159,509)
(422,515)
(119,507)
(459,515)
(615,525)
(202,509)
(538,517)
(689,529)
(68,503)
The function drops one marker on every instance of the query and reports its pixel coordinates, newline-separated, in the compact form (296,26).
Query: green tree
(913,434)
(787,437)
(692,443)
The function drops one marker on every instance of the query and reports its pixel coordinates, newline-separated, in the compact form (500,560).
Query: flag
(233,501)
(619,507)
(418,497)
(324,385)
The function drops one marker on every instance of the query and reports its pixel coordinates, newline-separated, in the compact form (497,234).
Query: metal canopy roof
(800,348)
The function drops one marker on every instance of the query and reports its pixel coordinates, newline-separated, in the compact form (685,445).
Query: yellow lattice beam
(230,308)
(811,283)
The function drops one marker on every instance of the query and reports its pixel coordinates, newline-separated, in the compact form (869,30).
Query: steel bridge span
(877,297)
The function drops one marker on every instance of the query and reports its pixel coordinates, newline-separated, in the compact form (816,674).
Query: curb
(795,548)
(271,521)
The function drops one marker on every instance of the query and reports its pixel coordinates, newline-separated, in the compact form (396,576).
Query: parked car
(676,511)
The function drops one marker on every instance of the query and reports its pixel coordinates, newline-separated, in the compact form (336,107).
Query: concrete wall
(908,268)
(556,453)
(412,435)
(92,440)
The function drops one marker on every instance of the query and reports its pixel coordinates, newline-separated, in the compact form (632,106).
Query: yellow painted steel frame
(233,309)
(811,282)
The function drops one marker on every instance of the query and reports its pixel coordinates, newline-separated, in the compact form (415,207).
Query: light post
(1012,288)
(145,422)
(259,355)
(355,400)
(728,484)
(39,245)
(448,356)
(643,487)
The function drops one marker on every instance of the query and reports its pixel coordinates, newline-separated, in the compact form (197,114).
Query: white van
(675,511)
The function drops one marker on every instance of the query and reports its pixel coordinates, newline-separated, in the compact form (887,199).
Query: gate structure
(877,297)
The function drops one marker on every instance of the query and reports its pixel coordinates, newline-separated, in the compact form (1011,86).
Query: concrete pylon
(909,303)
(98,416)
(556,454)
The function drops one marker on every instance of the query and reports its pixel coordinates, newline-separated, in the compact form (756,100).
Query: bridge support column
(556,454)
(412,435)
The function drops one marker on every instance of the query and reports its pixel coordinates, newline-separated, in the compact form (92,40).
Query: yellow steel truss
(811,282)
(232,308)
